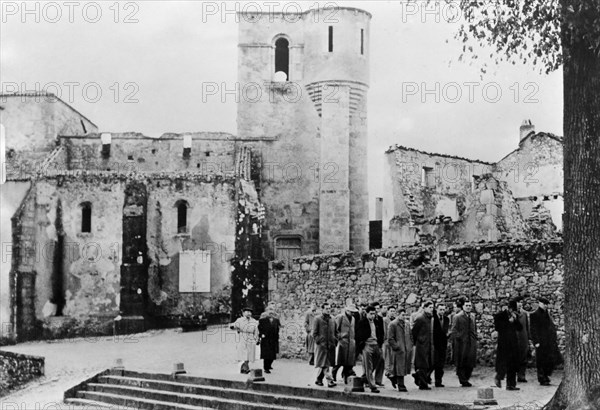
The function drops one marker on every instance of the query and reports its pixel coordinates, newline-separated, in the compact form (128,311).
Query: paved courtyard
(212,353)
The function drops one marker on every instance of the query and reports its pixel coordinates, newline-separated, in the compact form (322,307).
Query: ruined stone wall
(412,200)
(17,369)
(91,261)
(11,196)
(211,153)
(88,264)
(486,273)
(534,173)
(212,216)
(32,124)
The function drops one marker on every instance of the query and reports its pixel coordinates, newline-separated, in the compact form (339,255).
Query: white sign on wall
(194,271)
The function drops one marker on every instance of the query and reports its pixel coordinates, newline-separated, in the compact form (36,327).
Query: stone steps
(164,391)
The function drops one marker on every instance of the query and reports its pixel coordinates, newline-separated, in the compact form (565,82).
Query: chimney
(526,128)
(378,209)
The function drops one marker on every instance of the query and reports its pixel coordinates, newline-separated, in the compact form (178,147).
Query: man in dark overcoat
(346,349)
(543,336)
(268,333)
(441,327)
(401,350)
(380,312)
(324,335)
(464,335)
(523,337)
(507,325)
(422,334)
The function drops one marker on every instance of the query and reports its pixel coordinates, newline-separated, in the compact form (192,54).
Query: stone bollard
(118,369)
(485,397)
(118,364)
(178,369)
(356,385)
(256,375)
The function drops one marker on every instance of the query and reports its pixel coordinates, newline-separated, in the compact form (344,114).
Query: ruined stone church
(108,232)
(119,232)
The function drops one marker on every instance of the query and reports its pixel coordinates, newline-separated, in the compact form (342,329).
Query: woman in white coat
(247,337)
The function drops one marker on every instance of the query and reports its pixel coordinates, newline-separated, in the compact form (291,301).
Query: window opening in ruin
(287,248)
(362,41)
(154,150)
(428,177)
(86,217)
(130,157)
(331,39)
(207,153)
(282,56)
(182,209)
(546,198)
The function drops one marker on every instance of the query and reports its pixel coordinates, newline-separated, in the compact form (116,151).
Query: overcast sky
(160,58)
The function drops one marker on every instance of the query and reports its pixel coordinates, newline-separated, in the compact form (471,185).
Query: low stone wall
(17,369)
(486,273)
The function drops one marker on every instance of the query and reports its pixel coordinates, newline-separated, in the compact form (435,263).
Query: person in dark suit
(323,332)
(367,342)
(464,336)
(507,325)
(268,331)
(441,328)
(543,336)
(422,337)
(380,327)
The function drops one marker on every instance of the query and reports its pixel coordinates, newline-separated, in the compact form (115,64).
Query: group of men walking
(515,327)
(391,344)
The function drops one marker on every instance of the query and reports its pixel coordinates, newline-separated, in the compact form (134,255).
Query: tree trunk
(580,388)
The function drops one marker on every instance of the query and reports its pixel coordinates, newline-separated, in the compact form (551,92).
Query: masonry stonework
(488,274)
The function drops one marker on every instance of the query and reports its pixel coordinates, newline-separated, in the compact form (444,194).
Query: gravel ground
(212,353)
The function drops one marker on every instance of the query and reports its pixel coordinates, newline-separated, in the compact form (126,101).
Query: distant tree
(554,33)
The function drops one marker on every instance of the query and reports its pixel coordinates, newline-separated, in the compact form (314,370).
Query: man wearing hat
(507,325)
(346,348)
(247,329)
(543,336)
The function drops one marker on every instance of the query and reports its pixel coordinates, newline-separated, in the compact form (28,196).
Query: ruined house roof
(531,135)
(400,147)
(49,97)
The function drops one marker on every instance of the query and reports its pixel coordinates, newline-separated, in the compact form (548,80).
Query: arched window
(282,56)
(86,217)
(182,211)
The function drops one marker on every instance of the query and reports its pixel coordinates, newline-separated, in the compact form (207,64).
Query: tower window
(331,39)
(282,56)
(182,210)
(86,217)
(362,41)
